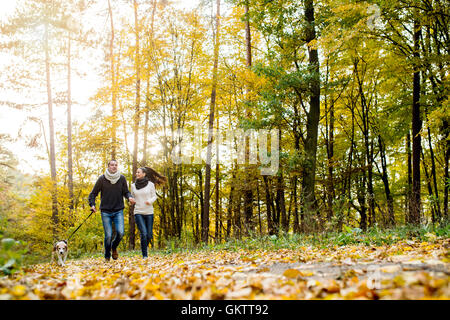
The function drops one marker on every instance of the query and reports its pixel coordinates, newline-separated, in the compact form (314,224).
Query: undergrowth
(349,236)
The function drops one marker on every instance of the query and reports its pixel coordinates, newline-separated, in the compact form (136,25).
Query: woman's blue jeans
(108,218)
(145,225)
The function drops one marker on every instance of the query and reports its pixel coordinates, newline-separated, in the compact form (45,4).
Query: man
(113,188)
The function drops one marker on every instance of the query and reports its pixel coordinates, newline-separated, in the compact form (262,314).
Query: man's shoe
(115,255)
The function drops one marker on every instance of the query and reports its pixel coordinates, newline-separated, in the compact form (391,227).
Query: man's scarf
(112,177)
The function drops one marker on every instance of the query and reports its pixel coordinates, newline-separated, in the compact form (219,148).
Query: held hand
(93,209)
(132,201)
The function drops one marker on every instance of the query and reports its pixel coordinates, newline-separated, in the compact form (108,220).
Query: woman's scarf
(112,177)
(141,183)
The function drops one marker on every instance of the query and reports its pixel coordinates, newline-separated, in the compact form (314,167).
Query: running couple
(113,187)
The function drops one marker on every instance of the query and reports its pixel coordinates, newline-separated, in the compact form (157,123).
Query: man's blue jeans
(108,218)
(145,225)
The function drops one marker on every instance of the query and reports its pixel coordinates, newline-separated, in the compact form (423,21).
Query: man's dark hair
(112,161)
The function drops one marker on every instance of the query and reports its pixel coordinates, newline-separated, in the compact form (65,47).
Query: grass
(372,236)
(350,236)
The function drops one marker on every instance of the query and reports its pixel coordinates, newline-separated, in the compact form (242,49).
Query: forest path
(405,270)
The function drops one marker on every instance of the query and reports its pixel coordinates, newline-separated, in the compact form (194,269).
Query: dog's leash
(92,211)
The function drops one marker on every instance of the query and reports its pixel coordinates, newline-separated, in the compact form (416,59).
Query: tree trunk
(113,86)
(330,154)
(296,220)
(147,95)
(385,178)
(430,189)
(371,195)
(248,39)
(230,205)
(361,194)
(259,208)
(146,118)
(205,221)
(347,189)
(202,199)
(55,218)
(312,121)
(69,129)
(163,220)
(296,226)
(433,174)
(367,145)
(237,226)
(446,141)
(269,208)
(416,127)
(217,192)
(131,221)
(249,178)
(281,204)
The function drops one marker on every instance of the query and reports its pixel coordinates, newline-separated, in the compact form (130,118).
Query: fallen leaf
(292,273)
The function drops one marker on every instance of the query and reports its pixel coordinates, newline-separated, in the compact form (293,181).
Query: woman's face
(140,174)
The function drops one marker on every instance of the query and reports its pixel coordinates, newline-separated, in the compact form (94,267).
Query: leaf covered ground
(405,270)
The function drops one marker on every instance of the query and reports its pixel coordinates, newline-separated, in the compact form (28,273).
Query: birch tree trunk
(55,218)
(69,128)
(113,85)
(131,242)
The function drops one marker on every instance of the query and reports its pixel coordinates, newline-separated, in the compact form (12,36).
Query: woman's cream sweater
(148,193)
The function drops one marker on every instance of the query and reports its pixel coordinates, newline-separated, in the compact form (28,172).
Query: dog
(60,249)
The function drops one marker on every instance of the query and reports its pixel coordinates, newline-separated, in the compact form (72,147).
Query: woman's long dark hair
(154,176)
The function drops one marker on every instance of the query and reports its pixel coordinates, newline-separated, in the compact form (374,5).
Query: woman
(144,194)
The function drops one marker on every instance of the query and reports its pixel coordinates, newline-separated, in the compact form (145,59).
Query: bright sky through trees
(85,82)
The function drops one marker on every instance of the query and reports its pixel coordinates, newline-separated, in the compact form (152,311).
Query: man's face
(112,166)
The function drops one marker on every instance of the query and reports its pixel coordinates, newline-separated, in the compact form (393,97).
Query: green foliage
(373,236)
(11,255)
(379,236)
